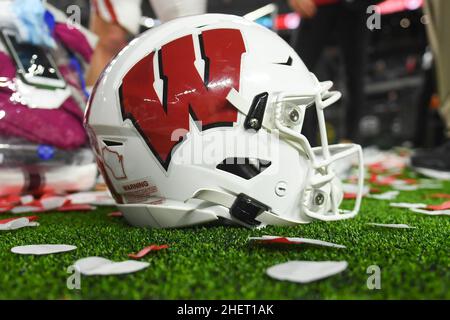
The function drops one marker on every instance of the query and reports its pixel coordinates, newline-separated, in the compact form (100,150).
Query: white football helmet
(200,119)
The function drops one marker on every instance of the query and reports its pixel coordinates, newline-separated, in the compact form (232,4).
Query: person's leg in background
(436,163)
(113,21)
(313,35)
(353,36)
(438,27)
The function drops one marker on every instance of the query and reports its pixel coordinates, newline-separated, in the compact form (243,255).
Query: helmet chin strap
(255,213)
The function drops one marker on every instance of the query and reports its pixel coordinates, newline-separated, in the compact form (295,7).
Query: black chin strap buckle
(246,209)
(255,116)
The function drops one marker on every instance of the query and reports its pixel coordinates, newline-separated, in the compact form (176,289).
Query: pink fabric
(7,68)
(60,127)
(70,76)
(74,40)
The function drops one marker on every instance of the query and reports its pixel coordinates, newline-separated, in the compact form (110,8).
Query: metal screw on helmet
(253,123)
(319,199)
(281,189)
(294,115)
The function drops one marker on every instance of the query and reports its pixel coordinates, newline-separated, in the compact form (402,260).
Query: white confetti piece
(54,202)
(306,271)
(407,205)
(391,225)
(17,224)
(434,174)
(100,266)
(389,195)
(26,199)
(432,212)
(290,240)
(24,209)
(387,160)
(415,187)
(353,188)
(406,187)
(430,184)
(42,249)
(93,197)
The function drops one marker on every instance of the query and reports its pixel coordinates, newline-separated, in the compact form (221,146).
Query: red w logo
(184,90)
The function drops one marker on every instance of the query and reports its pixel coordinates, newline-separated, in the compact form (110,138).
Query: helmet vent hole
(111,143)
(246,168)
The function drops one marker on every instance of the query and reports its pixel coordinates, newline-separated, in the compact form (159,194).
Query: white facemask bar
(345,150)
(323,99)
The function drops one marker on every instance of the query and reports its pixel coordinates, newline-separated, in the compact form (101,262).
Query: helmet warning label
(137,185)
(140,191)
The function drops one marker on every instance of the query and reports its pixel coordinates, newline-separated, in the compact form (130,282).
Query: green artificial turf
(218,263)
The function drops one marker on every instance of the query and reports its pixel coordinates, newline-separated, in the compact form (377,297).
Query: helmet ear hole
(246,168)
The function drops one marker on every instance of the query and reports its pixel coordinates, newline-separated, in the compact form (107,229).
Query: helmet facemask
(323,194)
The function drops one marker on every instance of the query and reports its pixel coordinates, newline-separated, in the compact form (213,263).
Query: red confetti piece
(348,195)
(375,190)
(389,180)
(410,180)
(442,206)
(146,250)
(381,167)
(75,207)
(9,201)
(377,167)
(373,178)
(35,203)
(47,201)
(440,195)
(277,240)
(13,199)
(385,181)
(287,240)
(30,218)
(382,180)
(4,208)
(115,214)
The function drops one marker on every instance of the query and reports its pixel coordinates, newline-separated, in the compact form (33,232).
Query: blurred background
(400,103)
